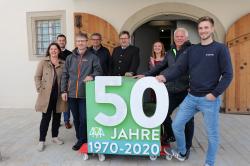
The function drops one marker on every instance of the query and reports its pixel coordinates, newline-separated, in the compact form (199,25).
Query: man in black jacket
(125,58)
(61,40)
(101,52)
(178,89)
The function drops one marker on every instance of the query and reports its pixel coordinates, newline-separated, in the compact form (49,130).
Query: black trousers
(175,99)
(78,109)
(46,117)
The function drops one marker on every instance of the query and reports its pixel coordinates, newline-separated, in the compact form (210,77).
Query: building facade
(23,22)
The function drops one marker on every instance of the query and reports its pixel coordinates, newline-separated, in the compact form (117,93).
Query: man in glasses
(101,52)
(125,58)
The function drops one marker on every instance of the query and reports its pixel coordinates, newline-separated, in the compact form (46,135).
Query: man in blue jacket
(210,69)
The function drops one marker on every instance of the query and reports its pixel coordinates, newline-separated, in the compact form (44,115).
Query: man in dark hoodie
(177,89)
(209,66)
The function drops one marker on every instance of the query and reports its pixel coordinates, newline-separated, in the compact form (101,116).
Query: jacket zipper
(78,75)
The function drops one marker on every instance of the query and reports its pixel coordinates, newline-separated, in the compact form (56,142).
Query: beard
(207,37)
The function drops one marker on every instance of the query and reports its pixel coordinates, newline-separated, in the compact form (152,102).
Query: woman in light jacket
(49,102)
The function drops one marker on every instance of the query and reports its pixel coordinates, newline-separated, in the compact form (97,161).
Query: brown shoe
(68,125)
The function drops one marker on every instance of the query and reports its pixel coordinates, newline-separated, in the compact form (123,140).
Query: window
(43,27)
(46,32)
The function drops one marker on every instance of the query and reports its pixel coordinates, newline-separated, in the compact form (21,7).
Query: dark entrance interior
(160,28)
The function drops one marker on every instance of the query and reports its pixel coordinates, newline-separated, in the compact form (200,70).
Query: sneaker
(178,156)
(101,157)
(77,146)
(68,125)
(40,146)
(57,141)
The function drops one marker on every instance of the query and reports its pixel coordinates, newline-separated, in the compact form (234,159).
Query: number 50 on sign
(116,121)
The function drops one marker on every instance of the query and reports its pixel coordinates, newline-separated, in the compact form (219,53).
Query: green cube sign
(116,122)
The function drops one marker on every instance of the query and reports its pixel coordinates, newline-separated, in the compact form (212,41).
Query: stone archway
(192,12)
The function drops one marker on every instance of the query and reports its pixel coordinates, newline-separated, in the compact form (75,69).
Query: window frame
(32,17)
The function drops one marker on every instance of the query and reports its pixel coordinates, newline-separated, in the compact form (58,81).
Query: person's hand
(64,96)
(210,97)
(161,78)
(88,78)
(128,74)
(139,76)
(152,61)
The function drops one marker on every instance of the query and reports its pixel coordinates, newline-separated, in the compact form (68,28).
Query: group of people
(195,76)
(60,80)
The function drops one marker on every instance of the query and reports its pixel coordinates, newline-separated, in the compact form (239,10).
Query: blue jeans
(78,109)
(175,99)
(66,116)
(210,110)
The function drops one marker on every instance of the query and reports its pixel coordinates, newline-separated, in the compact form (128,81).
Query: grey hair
(183,30)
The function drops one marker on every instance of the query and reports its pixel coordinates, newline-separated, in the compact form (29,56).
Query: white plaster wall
(17,88)
(16,70)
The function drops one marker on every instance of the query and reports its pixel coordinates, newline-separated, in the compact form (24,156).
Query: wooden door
(89,24)
(237,96)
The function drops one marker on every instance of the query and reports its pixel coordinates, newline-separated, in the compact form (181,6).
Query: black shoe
(77,146)
(171,139)
(187,154)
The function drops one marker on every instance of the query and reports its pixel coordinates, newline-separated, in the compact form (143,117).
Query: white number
(113,148)
(146,151)
(105,146)
(97,146)
(128,150)
(155,149)
(91,146)
(137,148)
(116,100)
(136,102)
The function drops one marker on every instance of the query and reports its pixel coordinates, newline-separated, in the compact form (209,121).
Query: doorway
(161,28)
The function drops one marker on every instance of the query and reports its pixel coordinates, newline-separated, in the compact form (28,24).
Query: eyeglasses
(124,38)
(95,39)
(81,40)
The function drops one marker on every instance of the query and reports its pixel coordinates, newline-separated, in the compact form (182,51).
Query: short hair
(96,34)
(124,33)
(183,30)
(206,18)
(53,44)
(82,35)
(61,35)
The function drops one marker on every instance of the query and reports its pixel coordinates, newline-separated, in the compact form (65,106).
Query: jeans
(78,109)
(175,99)
(210,111)
(66,116)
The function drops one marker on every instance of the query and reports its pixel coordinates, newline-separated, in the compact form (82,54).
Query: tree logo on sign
(96,132)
